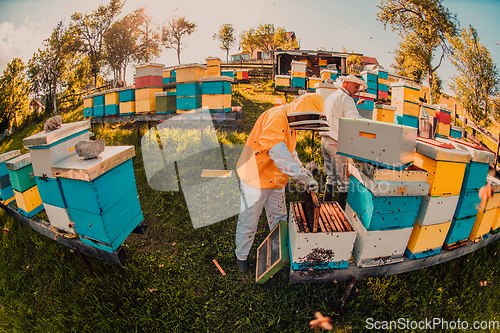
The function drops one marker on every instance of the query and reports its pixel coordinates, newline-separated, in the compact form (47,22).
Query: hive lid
(325,85)
(385,107)
(46,138)
(442,154)
(216,79)
(9,155)
(477,153)
(149,64)
(18,162)
(405,84)
(75,167)
(494,182)
(194,65)
(124,88)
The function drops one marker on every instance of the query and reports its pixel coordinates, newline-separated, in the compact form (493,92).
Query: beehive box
(325,89)
(379,247)
(312,81)
(384,144)
(145,101)
(189,103)
(127,108)
(426,241)
(298,68)
(21,173)
(111,102)
(436,210)
(126,94)
(213,61)
(149,68)
(487,214)
(368,101)
(456,132)
(496,222)
(228,73)
(459,232)
(329,248)
(385,113)
(446,166)
(47,148)
(241,74)
(165,102)
(299,82)
(406,108)
(216,103)
(88,104)
(430,109)
(189,73)
(405,91)
(188,89)
(59,218)
(6,191)
(101,196)
(406,120)
(213,71)
(443,129)
(385,199)
(28,202)
(329,74)
(215,85)
(149,81)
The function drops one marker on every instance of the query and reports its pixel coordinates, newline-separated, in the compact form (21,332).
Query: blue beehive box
(6,191)
(98,100)
(406,120)
(298,82)
(111,110)
(188,89)
(88,112)
(101,196)
(228,73)
(167,80)
(383,87)
(386,199)
(126,94)
(98,111)
(188,103)
(210,86)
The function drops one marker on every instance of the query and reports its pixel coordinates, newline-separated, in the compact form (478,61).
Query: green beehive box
(21,173)
(165,102)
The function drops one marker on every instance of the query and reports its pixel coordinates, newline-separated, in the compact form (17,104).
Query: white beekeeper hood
(351,78)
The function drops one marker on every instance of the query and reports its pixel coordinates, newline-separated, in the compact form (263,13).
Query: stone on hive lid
(52,123)
(89,149)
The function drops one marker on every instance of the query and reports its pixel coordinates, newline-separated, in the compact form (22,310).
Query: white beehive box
(149,68)
(436,210)
(319,250)
(59,217)
(47,148)
(380,143)
(377,248)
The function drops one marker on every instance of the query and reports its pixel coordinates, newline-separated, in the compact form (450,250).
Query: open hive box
(321,237)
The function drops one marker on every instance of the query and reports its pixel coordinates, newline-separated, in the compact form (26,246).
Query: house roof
(369,61)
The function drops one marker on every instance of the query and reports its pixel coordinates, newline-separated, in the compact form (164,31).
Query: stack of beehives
(384,195)
(443,114)
(487,218)
(111,103)
(126,98)
(405,97)
(26,193)
(188,87)
(6,191)
(298,74)
(148,81)
(216,93)
(213,66)
(382,84)
(169,76)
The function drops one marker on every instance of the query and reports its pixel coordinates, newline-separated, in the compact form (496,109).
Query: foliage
(353,59)
(149,38)
(267,38)
(90,30)
(50,68)
(423,25)
(437,87)
(14,90)
(478,77)
(411,57)
(226,37)
(175,31)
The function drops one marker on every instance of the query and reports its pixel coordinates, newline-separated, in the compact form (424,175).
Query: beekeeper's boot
(328,192)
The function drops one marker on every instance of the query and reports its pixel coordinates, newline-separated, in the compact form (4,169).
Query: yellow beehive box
(430,109)
(445,177)
(383,81)
(312,81)
(111,98)
(216,102)
(385,113)
(298,74)
(307,62)
(145,106)
(127,107)
(29,199)
(322,62)
(167,73)
(213,71)
(443,129)
(88,102)
(212,61)
(405,91)
(282,80)
(406,107)
(429,237)
(146,94)
(483,224)
(496,220)
(189,73)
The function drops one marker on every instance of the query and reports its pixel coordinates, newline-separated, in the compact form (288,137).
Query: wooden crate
(385,113)
(189,72)
(28,202)
(427,240)
(21,172)
(47,148)
(405,91)
(149,68)
(436,210)
(101,196)
(325,249)
(386,204)
(384,144)
(379,247)
(127,108)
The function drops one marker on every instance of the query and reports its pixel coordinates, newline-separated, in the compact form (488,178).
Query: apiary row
(196,88)
(408,197)
(95,199)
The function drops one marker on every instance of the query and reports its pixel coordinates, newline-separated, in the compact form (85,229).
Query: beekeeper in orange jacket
(267,160)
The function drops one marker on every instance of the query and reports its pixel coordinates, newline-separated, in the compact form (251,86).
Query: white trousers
(253,200)
(335,165)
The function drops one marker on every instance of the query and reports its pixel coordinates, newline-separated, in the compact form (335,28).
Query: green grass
(170,284)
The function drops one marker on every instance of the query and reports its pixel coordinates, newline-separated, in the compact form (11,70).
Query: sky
(331,24)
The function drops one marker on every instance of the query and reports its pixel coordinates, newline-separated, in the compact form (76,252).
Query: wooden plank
(324,221)
(335,220)
(303,216)
(44,228)
(316,208)
(405,266)
(344,219)
(158,117)
(331,220)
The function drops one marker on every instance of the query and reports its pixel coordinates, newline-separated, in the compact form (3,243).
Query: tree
(478,79)
(249,41)
(425,23)
(14,90)
(411,58)
(49,64)
(148,37)
(267,38)
(91,28)
(226,37)
(173,33)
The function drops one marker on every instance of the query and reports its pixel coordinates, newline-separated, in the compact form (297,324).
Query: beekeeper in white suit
(340,104)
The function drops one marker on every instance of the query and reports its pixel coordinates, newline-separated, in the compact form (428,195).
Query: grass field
(170,284)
